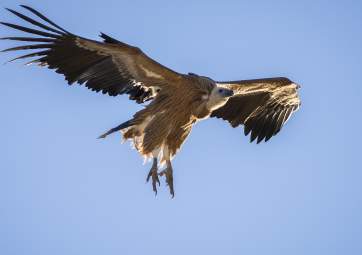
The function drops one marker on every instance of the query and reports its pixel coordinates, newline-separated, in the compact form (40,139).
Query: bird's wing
(263,106)
(110,66)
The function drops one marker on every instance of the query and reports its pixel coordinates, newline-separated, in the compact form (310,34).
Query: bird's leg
(153,173)
(168,172)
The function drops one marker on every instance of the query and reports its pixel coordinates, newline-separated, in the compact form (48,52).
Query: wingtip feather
(35,12)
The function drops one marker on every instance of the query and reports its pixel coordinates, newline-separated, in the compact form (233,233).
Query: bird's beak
(229,93)
(297,85)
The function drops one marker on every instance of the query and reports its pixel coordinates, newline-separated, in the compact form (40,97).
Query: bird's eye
(220,90)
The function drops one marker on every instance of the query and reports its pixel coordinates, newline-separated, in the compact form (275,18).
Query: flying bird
(175,101)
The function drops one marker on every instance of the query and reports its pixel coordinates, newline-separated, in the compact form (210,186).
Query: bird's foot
(168,173)
(154,174)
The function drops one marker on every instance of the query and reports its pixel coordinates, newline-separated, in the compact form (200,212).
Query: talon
(153,173)
(168,172)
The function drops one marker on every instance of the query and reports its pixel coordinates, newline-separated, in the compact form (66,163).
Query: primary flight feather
(177,101)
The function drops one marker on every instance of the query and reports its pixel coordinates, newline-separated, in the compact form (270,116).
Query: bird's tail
(115,129)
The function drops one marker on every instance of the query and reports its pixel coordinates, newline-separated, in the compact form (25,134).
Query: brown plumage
(177,100)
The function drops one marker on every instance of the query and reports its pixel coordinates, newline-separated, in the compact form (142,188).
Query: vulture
(175,101)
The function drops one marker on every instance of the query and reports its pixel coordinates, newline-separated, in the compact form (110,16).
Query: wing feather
(111,67)
(263,106)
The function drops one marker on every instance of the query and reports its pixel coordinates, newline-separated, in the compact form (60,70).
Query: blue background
(62,191)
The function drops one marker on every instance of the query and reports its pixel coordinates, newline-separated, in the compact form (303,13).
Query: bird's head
(223,92)
(218,97)
(213,96)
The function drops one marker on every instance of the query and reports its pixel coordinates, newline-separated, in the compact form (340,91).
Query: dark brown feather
(34,22)
(111,67)
(44,18)
(30,30)
(28,39)
(261,105)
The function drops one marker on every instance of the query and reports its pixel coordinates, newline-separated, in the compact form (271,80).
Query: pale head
(218,97)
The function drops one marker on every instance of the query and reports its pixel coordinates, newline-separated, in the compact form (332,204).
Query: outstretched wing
(110,66)
(263,106)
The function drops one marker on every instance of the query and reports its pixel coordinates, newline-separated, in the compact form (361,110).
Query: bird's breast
(201,112)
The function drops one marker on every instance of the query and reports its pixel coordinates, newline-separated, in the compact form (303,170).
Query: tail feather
(115,129)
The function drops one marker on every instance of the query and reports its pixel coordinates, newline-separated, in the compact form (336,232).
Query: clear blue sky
(62,191)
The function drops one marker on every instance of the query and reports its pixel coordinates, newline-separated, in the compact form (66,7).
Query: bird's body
(163,125)
(177,101)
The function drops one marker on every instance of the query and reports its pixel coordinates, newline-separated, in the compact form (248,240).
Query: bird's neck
(202,112)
